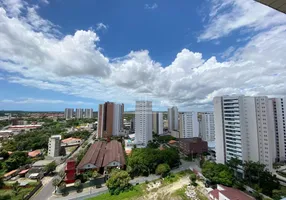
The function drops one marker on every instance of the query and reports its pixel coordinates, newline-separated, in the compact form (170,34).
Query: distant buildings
(69,113)
(110,119)
(79,113)
(244,128)
(88,113)
(157,122)
(54,147)
(173,123)
(207,126)
(189,125)
(143,122)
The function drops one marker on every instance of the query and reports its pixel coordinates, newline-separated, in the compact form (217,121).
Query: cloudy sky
(58,53)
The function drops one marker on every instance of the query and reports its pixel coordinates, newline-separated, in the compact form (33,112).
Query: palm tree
(77,184)
(56,182)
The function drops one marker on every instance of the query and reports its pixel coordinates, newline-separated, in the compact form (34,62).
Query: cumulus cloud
(151,6)
(229,15)
(33,54)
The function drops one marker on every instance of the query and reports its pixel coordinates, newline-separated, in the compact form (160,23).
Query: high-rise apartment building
(143,123)
(54,146)
(189,125)
(157,122)
(244,129)
(69,113)
(110,119)
(206,126)
(79,113)
(279,113)
(88,113)
(173,122)
(117,119)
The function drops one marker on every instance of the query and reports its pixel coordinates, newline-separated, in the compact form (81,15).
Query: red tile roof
(235,194)
(10,173)
(24,171)
(172,141)
(113,152)
(34,153)
(214,193)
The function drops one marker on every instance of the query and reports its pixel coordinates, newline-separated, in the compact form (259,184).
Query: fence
(28,196)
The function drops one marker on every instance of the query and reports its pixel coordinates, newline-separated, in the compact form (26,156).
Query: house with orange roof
(71,141)
(35,153)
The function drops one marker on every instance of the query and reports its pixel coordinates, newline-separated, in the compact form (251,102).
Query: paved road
(92,192)
(47,190)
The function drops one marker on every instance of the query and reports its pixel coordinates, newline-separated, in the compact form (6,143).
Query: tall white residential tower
(173,116)
(206,127)
(143,123)
(189,125)
(69,113)
(244,129)
(79,113)
(88,113)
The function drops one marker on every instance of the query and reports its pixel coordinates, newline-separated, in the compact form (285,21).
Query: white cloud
(101,26)
(45,1)
(42,101)
(151,6)
(230,15)
(32,54)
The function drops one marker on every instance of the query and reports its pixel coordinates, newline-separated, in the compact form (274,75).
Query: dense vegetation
(4,123)
(118,182)
(38,138)
(255,176)
(144,161)
(17,159)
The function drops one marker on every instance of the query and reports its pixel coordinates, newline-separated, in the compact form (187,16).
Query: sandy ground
(165,192)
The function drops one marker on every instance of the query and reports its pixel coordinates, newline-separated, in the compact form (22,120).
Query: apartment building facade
(143,123)
(244,129)
(207,126)
(88,113)
(79,113)
(157,122)
(189,125)
(173,122)
(69,113)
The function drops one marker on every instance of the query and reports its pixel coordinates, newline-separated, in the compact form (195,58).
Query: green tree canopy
(163,169)
(118,181)
(50,167)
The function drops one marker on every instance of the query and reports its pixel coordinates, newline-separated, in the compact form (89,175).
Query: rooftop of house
(230,193)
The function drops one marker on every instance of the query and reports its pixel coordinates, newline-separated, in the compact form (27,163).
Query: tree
(5,197)
(56,182)
(163,169)
(16,188)
(62,173)
(153,144)
(17,159)
(218,173)
(50,167)
(193,179)
(78,185)
(95,174)
(4,154)
(233,163)
(62,187)
(118,181)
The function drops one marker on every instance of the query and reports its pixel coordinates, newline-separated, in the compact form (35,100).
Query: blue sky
(57,54)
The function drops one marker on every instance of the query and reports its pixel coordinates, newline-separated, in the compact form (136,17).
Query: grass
(181,193)
(175,177)
(20,196)
(136,192)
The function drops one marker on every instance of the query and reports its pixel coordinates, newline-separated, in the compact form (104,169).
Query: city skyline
(182,59)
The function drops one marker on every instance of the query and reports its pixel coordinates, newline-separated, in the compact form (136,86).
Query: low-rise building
(227,193)
(71,141)
(102,156)
(191,146)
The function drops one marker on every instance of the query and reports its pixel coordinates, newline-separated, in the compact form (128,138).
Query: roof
(114,152)
(128,151)
(92,155)
(279,5)
(172,141)
(24,171)
(215,193)
(10,173)
(70,139)
(34,153)
(234,194)
(101,154)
